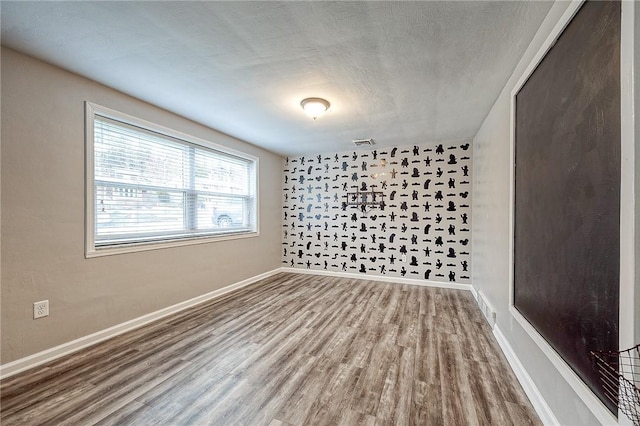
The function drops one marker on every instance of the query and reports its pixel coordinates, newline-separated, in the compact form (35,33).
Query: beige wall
(43,218)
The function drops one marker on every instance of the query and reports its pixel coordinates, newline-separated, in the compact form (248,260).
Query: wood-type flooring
(291,349)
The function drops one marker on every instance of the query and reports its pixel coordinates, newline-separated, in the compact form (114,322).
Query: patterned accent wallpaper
(403,212)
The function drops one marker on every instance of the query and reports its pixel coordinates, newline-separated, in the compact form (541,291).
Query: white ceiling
(398,72)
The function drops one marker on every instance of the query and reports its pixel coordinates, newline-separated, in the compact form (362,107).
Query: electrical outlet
(403,258)
(40,309)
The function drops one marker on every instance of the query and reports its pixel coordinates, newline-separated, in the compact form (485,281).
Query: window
(149,187)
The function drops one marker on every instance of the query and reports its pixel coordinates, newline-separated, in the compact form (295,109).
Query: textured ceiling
(398,72)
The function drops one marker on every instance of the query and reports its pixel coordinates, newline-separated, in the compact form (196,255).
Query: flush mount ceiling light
(315,107)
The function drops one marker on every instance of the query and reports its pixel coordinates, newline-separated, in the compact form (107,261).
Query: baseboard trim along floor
(31,361)
(292,349)
(389,279)
(537,400)
(541,407)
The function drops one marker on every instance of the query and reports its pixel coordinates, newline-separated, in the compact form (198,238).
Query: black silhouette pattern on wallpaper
(402,211)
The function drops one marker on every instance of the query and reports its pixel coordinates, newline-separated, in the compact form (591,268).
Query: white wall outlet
(40,309)
(403,258)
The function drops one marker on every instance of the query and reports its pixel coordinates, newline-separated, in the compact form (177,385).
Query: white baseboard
(539,404)
(31,361)
(474,292)
(389,279)
(47,355)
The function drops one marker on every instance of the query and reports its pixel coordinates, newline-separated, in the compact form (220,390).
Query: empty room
(319,213)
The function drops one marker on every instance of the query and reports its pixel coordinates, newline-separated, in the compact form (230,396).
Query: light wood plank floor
(294,349)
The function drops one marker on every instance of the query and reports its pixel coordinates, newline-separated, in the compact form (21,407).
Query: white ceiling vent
(360,142)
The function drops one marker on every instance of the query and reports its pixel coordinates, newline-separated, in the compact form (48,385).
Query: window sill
(157,245)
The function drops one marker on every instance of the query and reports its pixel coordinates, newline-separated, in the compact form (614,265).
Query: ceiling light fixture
(315,107)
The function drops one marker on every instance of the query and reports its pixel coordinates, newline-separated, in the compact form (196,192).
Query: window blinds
(150,186)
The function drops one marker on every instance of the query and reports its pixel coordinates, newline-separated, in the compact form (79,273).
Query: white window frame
(92,250)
